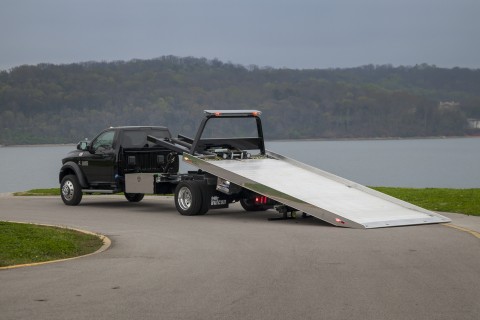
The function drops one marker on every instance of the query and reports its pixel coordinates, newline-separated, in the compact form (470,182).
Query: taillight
(261,200)
(339,221)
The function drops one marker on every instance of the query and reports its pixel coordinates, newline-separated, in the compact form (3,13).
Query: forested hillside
(65,103)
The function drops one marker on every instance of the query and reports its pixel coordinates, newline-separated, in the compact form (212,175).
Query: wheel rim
(185,198)
(68,190)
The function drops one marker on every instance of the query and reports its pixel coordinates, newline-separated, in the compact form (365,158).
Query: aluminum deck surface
(318,193)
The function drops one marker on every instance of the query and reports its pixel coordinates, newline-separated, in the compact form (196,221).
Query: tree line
(49,103)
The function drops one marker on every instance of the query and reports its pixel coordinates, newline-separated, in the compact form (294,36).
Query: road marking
(106,244)
(472,232)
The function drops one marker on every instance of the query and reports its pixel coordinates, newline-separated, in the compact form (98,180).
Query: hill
(64,103)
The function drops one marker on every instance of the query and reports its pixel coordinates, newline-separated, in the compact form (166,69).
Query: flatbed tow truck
(240,169)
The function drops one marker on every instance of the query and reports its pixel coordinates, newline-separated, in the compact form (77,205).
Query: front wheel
(188,198)
(134,197)
(70,190)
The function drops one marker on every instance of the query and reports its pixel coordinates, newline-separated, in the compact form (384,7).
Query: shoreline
(280,140)
(375,139)
(37,145)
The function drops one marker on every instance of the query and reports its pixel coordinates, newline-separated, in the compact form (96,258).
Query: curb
(472,232)
(106,244)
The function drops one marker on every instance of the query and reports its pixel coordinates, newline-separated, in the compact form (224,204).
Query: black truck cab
(100,165)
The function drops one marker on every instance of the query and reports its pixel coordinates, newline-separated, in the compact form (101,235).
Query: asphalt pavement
(230,264)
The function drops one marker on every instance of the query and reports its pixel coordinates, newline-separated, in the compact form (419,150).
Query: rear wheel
(134,197)
(70,190)
(250,205)
(188,198)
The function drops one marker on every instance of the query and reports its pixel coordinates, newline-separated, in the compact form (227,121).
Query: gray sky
(276,33)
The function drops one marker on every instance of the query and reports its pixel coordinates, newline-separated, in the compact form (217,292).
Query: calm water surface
(450,163)
(441,163)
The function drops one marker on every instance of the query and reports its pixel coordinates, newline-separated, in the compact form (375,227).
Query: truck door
(99,164)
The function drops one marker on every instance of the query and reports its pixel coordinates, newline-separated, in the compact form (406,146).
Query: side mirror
(83,145)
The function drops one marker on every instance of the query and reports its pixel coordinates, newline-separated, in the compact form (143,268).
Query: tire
(188,198)
(250,205)
(134,197)
(204,208)
(70,190)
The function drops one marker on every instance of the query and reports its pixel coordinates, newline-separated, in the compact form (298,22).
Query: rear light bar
(233,113)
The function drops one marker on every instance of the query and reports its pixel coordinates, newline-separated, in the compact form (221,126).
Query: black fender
(72,166)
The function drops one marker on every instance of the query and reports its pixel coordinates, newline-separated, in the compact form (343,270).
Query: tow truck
(232,165)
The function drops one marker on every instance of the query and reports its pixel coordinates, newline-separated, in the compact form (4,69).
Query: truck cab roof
(139,128)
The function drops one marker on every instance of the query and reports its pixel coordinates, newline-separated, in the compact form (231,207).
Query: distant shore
(278,140)
(37,145)
(373,139)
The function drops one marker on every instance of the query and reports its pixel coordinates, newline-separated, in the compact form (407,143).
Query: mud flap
(214,199)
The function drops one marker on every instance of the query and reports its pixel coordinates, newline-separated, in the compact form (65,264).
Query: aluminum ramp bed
(318,193)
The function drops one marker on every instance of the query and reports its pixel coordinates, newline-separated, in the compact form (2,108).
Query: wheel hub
(184,198)
(68,190)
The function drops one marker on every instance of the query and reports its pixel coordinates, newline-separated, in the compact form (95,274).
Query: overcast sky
(276,33)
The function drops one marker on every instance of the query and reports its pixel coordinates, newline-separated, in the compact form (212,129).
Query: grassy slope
(27,243)
(39,192)
(465,201)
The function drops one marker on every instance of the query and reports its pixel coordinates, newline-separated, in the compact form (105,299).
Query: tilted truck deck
(295,185)
(318,193)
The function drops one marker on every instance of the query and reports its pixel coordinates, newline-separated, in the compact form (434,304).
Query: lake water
(449,163)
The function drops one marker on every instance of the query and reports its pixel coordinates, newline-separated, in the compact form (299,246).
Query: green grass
(46,192)
(53,192)
(466,201)
(27,243)
(39,192)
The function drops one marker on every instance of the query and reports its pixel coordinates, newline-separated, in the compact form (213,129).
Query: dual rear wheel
(189,199)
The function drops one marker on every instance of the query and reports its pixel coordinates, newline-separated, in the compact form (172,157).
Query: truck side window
(104,141)
(158,134)
(134,139)
(138,138)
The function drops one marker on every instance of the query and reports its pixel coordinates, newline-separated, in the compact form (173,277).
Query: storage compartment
(139,183)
